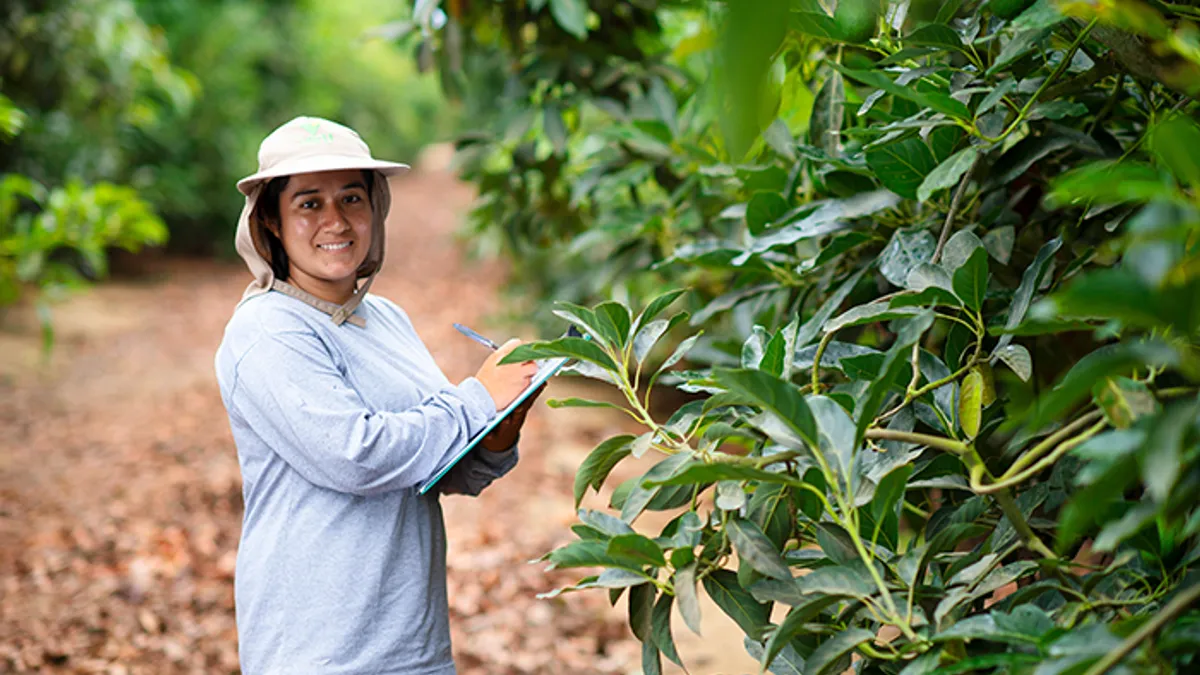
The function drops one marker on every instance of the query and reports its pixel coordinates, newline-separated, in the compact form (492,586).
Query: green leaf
(792,626)
(1018,359)
(934,35)
(895,362)
(582,317)
(983,627)
(661,629)
(614,322)
(763,210)
(685,591)
(774,354)
(827,657)
(970,280)
(756,549)
(658,304)
(1123,400)
(604,523)
(555,128)
(1162,457)
(771,394)
(970,403)
(814,325)
(587,553)
(836,544)
(664,104)
(573,402)
(1106,361)
(1031,280)
(1021,44)
(1121,294)
(749,614)
(906,250)
(1088,505)
(599,463)
(770,509)
(948,173)
(924,98)
(787,662)
(641,607)
(816,24)
(890,492)
(1173,142)
(1110,182)
(902,165)
(828,115)
(779,138)
(571,16)
(568,347)
(638,548)
(651,660)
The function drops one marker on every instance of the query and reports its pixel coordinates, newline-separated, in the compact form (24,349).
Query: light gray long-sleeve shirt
(341,567)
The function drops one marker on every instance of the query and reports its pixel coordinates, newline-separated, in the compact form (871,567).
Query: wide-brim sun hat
(312,144)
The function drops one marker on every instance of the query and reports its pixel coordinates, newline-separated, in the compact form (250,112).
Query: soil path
(120,499)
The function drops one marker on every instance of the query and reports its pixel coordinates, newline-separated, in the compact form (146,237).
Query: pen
(476,337)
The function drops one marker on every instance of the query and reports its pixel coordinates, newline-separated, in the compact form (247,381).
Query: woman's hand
(506,382)
(505,435)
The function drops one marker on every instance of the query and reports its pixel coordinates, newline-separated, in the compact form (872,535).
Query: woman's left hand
(504,436)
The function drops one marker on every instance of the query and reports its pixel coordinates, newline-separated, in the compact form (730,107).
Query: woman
(339,412)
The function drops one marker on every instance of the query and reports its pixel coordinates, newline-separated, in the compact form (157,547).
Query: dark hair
(267,211)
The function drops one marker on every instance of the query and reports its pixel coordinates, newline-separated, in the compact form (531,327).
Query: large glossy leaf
(1031,280)
(763,210)
(771,394)
(641,608)
(948,173)
(641,497)
(749,614)
(568,347)
(787,662)
(971,280)
(1173,141)
(755,548)
(904,253)
(902,165)
(657,305)
(660,628)
(934,100)
(824,127)
(571,15)
(770,509)
(599,463)
(613,320)
(636,547)
(829,655)
(793,625)
(685,592)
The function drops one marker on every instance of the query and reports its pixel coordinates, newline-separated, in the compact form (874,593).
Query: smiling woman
(319,227)
(339,413)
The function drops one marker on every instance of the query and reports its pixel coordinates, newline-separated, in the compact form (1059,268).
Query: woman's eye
(309,204)
(353,199)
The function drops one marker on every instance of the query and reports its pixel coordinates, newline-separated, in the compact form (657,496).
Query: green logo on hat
(315,133)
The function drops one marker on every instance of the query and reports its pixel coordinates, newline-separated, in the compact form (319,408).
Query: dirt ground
(120,497)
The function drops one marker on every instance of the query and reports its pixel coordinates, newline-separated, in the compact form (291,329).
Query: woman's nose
(334,219)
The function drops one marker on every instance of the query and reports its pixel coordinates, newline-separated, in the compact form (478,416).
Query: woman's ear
(272,226)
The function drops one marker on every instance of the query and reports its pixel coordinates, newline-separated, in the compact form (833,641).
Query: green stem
(1007,480)
(1181,602)
(940,442)
(1051,441)
(1009,507)
(816,366)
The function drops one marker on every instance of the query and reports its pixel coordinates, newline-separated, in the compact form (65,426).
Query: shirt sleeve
(477,470)
(290,392)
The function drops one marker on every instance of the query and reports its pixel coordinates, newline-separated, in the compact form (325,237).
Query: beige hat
(308,145)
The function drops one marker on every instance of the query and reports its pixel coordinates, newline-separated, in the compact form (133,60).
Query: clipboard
(546,370)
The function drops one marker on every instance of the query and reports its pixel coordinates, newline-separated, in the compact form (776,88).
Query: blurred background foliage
(139,116)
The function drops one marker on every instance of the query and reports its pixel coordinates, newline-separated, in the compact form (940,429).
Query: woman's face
(325,227)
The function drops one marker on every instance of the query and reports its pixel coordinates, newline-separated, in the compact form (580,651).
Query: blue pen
(476,337)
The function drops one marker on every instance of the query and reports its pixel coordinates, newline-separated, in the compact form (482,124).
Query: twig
(1174,608)
(958,195)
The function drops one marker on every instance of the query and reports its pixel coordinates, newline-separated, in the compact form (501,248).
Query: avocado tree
(941,327)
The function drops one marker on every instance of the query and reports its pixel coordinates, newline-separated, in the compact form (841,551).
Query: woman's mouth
(335,247)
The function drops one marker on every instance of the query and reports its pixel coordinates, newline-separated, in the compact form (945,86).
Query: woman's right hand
(505,382)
